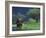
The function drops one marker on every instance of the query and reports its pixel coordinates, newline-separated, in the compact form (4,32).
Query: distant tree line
(34,13)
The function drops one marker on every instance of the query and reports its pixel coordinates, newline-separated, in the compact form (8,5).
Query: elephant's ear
(17,21)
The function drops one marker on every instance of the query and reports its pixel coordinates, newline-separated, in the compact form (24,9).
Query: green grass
(31,25)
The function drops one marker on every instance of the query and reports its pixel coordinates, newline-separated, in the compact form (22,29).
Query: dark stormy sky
(21,10)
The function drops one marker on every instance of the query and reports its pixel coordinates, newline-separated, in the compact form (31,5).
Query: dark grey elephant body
(19,24)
